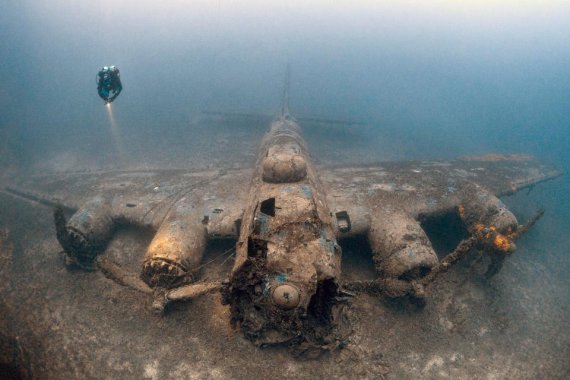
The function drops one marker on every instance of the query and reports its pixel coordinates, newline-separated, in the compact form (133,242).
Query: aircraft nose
(286,296)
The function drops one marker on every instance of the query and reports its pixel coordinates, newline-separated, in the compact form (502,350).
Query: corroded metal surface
(287,217)
(283,288)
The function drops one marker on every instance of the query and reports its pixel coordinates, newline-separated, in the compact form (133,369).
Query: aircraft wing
(145,196)
(420,188)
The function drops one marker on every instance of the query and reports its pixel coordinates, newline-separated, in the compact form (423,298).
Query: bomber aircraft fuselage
(287,218)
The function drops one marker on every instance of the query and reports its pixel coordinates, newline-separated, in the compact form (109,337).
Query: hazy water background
(433,80)
(453,76)
(442,79)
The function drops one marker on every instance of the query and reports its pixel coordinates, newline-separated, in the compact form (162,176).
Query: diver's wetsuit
(109,83)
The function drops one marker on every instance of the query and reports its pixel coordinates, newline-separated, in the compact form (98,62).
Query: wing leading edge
(386,202)
(425,187)
(144,197)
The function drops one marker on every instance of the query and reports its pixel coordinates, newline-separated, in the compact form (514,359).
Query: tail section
(285,100)
(285,113)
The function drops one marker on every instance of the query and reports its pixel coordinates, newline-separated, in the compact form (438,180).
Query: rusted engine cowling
(307,263)
(486,209)
(88,231)
(487,218)
(284,165)
(175,253)
(400,246)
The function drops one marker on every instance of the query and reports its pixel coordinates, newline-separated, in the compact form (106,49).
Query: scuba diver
(109,83)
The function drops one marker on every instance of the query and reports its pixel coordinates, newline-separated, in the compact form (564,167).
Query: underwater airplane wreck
(287,217)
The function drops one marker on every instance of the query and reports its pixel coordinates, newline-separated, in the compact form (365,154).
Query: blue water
(442,79)
(459,78)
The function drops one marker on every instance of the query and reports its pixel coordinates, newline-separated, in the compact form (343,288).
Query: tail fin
(285,101)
